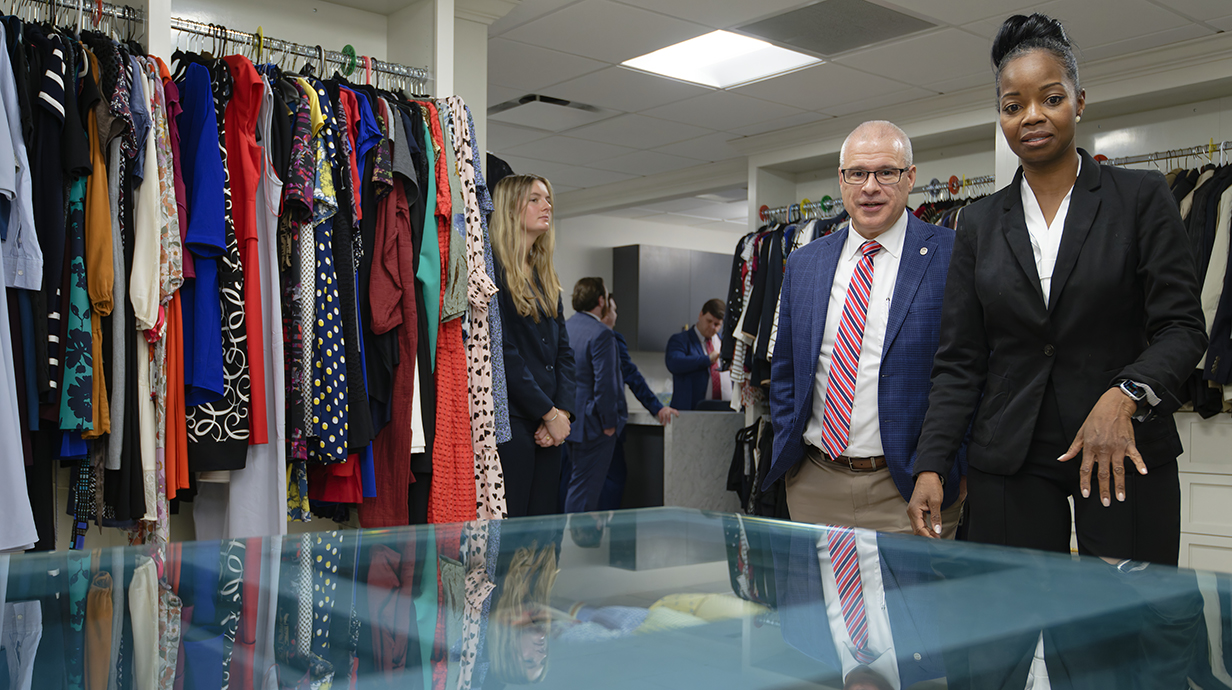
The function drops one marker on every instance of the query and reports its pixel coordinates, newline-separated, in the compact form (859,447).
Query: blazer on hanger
(1124,305)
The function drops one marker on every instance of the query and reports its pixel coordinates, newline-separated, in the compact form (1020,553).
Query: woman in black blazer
(538,360)
(1071,318)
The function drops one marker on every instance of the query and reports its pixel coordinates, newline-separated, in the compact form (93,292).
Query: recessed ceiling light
(721,59)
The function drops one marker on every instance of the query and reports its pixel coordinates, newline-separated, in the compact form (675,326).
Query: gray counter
(684,464)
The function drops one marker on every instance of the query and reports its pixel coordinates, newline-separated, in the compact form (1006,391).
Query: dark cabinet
(660,290)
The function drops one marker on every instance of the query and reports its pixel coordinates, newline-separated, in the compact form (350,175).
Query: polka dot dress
(324,588)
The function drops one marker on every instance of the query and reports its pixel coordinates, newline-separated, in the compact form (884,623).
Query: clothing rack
(955,185)
(806,209)
(1203,150)
(418,76)
(96,10)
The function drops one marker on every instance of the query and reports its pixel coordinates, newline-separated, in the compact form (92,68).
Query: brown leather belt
(854,464)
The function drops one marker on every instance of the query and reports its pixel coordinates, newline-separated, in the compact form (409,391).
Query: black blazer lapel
(1014,225)
(1083,205)
(912,265)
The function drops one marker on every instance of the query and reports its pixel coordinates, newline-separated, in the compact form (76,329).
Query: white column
(1006,161)
(443,64)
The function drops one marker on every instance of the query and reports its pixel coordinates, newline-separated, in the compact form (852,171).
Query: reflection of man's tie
(716,386)
(845,360)
(846,563)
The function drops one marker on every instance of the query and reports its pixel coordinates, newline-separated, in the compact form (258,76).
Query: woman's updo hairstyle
(1019,35)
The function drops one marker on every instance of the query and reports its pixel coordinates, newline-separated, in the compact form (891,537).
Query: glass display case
(651,598)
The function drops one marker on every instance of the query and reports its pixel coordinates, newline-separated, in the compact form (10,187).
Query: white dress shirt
(880,637)
(725,383)
(865,440)
(1045,237)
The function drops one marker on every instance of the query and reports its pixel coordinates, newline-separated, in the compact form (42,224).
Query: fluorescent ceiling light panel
(721,59)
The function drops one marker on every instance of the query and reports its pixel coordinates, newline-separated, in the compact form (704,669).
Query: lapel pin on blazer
(923,251)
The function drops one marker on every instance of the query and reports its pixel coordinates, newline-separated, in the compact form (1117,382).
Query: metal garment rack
(1204,150)
(827,208)
(936,188)
(418,76)
(93,10)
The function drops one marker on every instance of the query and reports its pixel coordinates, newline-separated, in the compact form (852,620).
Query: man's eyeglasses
(887,176)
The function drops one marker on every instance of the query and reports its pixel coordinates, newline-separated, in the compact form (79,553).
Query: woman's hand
(557,424)
(543,438)
(1107,438)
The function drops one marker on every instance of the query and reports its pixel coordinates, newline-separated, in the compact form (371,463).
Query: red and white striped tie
(846,563)
(845,360)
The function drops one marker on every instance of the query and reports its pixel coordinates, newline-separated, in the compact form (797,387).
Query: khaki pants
(824,492)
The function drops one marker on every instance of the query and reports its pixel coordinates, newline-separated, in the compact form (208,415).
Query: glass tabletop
(656,598)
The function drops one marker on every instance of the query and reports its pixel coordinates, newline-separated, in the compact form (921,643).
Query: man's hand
(666,414)
(1106,439)
(925,506)
(714,356)
(611,431)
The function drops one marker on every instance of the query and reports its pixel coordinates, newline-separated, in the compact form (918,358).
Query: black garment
(1124,305)
(770,300)
(1145,527)
(1183,185)
(497,170)
(735,301)
(1203,238)
(538,360)
(532,473)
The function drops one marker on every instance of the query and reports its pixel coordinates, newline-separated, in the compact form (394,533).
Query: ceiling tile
(962,11)
(624,89)
(502,137)
(712,147)
(631,212)
(878,103)
(529,68)
(719,14)
(1202,10)
(933,57)
(1224,24)
(530,166)
(605,30)
(646,163)
(639,131)
(1092,23)
(1155,40)
(561,189)
(982,80)
(781,123)
(722,110)
(500,94)
(568,150)
(687,206)
(818,88)
(590,177)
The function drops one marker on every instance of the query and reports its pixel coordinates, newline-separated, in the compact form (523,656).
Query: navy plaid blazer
(907,355)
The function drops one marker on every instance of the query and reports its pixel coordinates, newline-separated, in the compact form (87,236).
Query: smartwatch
(1138,393)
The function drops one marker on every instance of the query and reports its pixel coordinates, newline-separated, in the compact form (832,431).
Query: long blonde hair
(526,594)
(537,289)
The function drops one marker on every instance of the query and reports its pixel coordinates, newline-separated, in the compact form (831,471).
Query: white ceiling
(570,49)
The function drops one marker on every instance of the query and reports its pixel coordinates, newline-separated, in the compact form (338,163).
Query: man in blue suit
(600,397)
(859,323)
(692,356)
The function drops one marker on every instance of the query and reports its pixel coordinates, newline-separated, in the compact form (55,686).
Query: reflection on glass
(635,599)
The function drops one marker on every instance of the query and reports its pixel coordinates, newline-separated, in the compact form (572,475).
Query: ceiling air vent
(547,113)
(832,27)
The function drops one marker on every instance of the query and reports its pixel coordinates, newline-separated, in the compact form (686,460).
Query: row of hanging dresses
(1205,201)
(267,293)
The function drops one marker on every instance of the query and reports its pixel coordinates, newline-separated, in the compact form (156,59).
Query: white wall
(312,23)
(1174,127)
(584,248)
